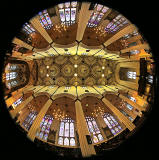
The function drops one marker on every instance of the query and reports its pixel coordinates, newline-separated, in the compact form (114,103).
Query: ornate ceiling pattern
(75,70)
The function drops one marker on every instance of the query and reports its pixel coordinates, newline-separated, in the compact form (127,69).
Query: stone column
(86,149)
(101,124)
(138,47)
(37,25)
(120,116)
(20,106)
(129,29)
(36,124)
(84,16)
(22,43)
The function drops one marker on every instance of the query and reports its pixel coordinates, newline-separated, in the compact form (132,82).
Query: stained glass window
(28,28)
(131,75)
(129,106)
(134,52)
(17,102)
(93,129)
(45,19)
(29,120)
(45,127)
(11,75)
(66,132)
(129,117)
(118,22)
(67,12)
(150,78)
(12,84)
(11,67)
(112,123)
(97,14)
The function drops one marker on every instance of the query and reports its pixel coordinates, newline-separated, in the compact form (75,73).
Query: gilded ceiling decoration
(75,70)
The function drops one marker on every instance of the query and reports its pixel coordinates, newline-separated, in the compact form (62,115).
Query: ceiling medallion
(90,81)
(53,70)
(48,61)
(42,71)
(83,70)
(97,71)
(90,60)
(61,59)
(75,59)
(75,81)
(61,81)
(68,70)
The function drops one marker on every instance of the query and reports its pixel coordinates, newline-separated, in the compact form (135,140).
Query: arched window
(45,127)
(131,75)
(12,84)
(150,79)
(11,67)
(28,28)
(45,19)
(29,120)
(11,75)
(116,24)
(112,123)
(98,13)
(66,132)
(93,129)
(67,12)
(17,102)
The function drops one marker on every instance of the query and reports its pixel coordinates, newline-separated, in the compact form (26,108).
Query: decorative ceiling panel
(75,70)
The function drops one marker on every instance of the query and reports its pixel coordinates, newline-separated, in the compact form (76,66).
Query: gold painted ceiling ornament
(53,70)
(61,59)
(48,61)
(83,70)
(75,81)
(102,62)
(90,81)
(97,71)
(68,70)
(42,71)
(75,59)
(102,81)
(61,81)
(90,60)
(48,81)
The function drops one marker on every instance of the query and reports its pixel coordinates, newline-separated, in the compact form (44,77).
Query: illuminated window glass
(12,67)
(131,75)
(150,79)
(134,52)
(28,28)
(45,19)
(66,132)
(17,102)
(93,129)
(29,120)
(67,12)
(129,106)
(45,127)
(132,98)
(116,24)
(129,117)
(12,84)
(112,123)
(11,75)
(97,14)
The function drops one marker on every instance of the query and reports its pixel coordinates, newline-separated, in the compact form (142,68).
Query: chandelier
(98,111)
(59,114)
